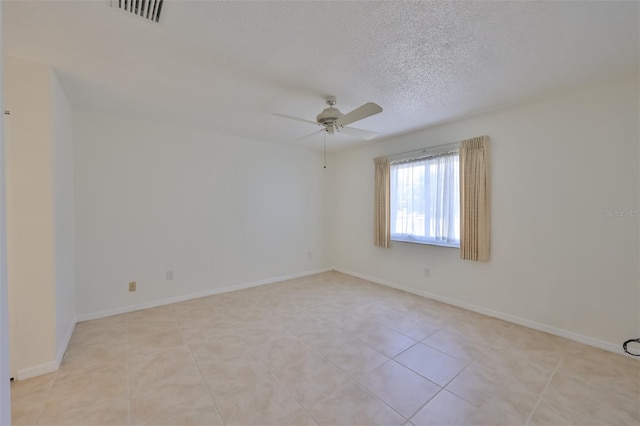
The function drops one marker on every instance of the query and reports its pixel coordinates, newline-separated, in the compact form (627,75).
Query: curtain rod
(437,149)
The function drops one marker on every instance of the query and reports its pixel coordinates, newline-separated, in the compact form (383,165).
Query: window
(425,200)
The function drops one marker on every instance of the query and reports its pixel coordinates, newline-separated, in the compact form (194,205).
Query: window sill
(425,243)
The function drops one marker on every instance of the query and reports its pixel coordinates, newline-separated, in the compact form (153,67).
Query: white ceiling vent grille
(147,9)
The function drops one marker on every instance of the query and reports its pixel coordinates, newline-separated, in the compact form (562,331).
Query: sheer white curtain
(425,200)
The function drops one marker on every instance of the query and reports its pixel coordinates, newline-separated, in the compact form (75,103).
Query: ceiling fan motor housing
(328,116)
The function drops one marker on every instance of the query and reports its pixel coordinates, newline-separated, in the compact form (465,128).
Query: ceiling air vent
(147,9)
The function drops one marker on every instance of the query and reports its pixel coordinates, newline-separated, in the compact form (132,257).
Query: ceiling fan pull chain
(325,149)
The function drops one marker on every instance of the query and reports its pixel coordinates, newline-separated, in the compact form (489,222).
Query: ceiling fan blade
(294,118)
(359,113)
(309,135)
(359,133)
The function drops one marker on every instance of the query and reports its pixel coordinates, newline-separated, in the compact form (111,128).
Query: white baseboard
(580,338)
(37,370)
(51,366)
(168,301)
(67,338)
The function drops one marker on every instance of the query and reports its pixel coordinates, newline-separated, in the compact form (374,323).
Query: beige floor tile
(195,307)
(160,313)
(458,345)
(354,406)
(116,321)
(400,388)
(221,349)
(410,303)
(202,318)
(297,418)
(248,315)
(84,359)
(25,414)
(34,387)
(323,337)
(28,398)
(282,351)
(326,311)
(97,385)
(231,376)
(549,413)
(481,326)
(413,329)
(312,379)
(436,366)
(166,393)
(603,404)
(448,409)
(349,322)
(355,357)
(147,369)
(294,323)
(266,403)
(601,368)
(112,412)
(204,334)
(160,340)
(264,353)
(385,340)
(259,334)
(536,347)
(578,350)
(143,327)
(380,313)
(186,416)
(510,366)
(288,309)
(420,309)
(356,301)
(97,397)
(98,335)
(510,391)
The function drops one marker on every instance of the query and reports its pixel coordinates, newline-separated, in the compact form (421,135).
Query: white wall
(40,217)
(30,218)
(218,210)
(64,214)
(557,261)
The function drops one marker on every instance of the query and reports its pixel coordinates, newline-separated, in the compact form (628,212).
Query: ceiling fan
(332,120)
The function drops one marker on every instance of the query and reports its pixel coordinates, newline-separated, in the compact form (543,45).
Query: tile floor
(328,349)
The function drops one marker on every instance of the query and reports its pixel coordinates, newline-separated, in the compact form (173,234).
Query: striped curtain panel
(475,206)
(381,223)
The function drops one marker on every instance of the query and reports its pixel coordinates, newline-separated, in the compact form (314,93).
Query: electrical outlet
(132,286)
(170,275)
(427,272)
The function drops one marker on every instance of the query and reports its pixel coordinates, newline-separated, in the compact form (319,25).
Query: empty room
(319,213)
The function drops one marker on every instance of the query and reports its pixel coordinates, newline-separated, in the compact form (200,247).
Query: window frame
(416,156)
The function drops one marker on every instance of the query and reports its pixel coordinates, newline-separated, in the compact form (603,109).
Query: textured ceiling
(227,65)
